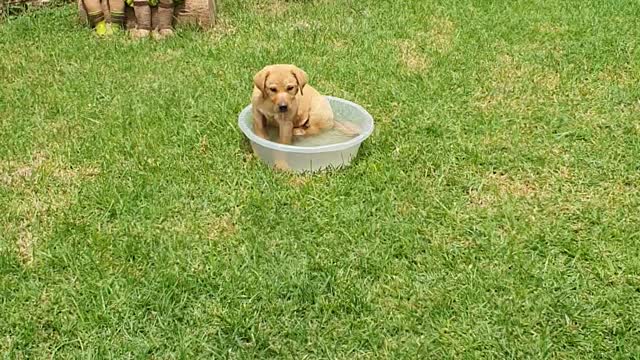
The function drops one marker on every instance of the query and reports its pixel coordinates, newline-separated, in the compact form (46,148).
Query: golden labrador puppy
(283,99)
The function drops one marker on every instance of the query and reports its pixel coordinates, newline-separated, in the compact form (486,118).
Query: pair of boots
(164,18)
(96,18)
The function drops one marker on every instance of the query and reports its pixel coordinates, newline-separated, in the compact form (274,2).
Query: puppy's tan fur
(283,99)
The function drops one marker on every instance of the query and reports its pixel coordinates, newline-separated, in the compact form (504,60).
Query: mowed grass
(494,213)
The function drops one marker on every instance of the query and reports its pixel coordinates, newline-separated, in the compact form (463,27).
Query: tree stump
(194,12)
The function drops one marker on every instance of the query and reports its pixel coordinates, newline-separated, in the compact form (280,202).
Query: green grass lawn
(494,212)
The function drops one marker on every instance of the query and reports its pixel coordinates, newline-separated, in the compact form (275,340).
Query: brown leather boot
(165,20)
(143,17)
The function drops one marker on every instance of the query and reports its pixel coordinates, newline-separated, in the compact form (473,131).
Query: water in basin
(327,137)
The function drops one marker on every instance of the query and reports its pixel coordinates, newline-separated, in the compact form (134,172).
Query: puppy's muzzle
(283,107)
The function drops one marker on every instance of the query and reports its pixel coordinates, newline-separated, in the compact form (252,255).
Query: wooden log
(199,12)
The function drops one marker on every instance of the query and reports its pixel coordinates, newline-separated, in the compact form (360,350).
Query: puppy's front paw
(299,132)
(281,165)
(262,134)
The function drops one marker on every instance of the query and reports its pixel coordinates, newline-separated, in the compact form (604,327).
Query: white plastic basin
(313,158)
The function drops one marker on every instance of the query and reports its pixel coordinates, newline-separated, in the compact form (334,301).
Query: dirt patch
(620,77)
(411,57)
(340,44)
(550,48)
(516,86)
(299,180)
(15,174)
(497,187)
(305,25)
(441,36)
(168,56)
(29,216)
(221,226)
(203,146)
(25,244)
(404,208)
(224,28)
(71,175)
(550,28)
(37,191)
(271,8)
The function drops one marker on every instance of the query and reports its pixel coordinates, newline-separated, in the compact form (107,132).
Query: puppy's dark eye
(274,89)
(290,87)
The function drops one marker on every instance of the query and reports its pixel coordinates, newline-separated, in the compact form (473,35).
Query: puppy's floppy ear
(301,77)
(260,80)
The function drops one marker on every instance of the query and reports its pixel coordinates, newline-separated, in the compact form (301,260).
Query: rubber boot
(96,16)
(117,15)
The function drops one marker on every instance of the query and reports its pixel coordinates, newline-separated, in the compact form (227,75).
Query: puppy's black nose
(283,108)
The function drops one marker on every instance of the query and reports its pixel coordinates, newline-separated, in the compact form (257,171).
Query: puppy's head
(280,84)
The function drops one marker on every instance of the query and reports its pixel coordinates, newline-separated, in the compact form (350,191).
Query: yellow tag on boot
(101,28)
